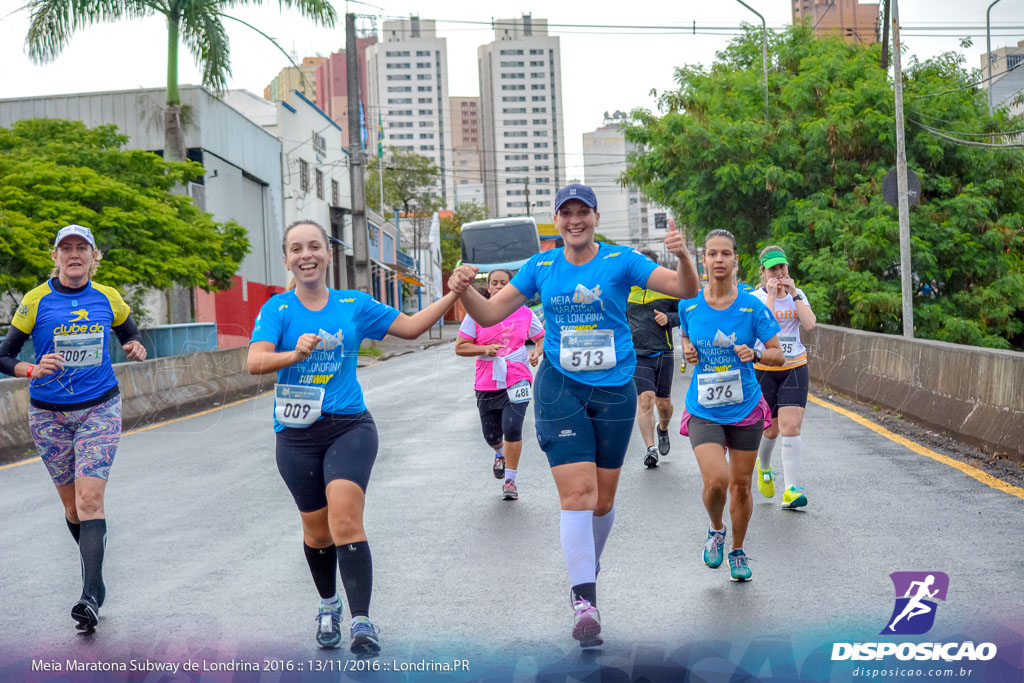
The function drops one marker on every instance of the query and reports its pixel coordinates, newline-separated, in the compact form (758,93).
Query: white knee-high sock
(764,452)
(577,529)
(791,460)
(602,527)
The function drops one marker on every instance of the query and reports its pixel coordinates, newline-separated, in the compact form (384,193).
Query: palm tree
(198,23)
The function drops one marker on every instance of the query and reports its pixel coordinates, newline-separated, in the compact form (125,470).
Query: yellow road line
(159,424)
(974,472)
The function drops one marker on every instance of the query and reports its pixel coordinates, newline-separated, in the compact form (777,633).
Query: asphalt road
(204,558)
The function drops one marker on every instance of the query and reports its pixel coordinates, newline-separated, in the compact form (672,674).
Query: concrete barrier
(150,391)
(974,394)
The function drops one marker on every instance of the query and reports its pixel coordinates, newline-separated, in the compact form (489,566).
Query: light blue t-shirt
(584,298)
(349,317)
(714,333)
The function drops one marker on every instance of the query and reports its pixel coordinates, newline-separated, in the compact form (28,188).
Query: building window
(400,100)
(539,98)
(422,53)
(422,77)
(513,75)
(536,52)
(540,145)
(335,193)
(399,77)
(511,52)
(512,64)
(425,88)
(540,133)
(303,175)
(422,65)
(538,86)
(513,87)
(404,53)
(399,88)
(319,184)
(426,136)
(425,112)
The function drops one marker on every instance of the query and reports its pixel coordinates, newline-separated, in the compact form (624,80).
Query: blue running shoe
(738,569)
(328,627)
(365,637)
(713,548)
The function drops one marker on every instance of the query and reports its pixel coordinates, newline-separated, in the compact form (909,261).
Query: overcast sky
(602,69)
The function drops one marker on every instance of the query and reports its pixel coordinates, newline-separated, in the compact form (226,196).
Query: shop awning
(408,278)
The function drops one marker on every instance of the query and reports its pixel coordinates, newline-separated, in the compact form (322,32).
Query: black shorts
(782,388)
(654,373)
(727,436)
(500,418)
(335,447)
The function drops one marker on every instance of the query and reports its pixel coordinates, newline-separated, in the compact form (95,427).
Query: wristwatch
(798,297)
(757,355)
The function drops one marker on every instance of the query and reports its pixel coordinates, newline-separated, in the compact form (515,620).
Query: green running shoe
(713,548)
(738,569)
(765,481)
(793,498)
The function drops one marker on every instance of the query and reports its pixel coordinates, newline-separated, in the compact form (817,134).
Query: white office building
(523,137)
(407,86)
(627,215)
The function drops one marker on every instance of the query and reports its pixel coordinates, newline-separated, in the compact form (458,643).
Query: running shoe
(86,613)
(328,628)
(499,467)
(765,481)
(651,459)
(713,548)
(365,640)
(738,569)
(586,623)
(509,490)
(793,498)
(663,442)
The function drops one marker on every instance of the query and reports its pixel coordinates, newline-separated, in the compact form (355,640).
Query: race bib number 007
(297,406)
(716,389)
(80,350)
(587,350)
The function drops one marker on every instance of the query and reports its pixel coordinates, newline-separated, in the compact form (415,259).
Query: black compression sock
(91,543)
(356,567)
(323,567)
(586,591)
(75,529)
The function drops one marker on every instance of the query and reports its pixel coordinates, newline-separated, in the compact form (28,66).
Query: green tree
(451,232)
(810,180)
(197,23)
(55,172)
(409,186)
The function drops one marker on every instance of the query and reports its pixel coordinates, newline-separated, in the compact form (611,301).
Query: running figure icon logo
(916,595)
(582,295)
(724,340)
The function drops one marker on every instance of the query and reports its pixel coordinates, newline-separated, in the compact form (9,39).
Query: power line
(966,143)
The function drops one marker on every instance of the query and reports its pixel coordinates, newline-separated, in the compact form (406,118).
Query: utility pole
(527,192)
(988,49)
(764,54)
(885,36)
(906,276)
(356,161)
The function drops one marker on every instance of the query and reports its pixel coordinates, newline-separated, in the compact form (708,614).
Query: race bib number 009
(297,406)
(716,389)
(587,350)
(80,350)
(520,392)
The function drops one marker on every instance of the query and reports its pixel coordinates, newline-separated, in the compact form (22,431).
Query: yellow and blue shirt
(51,310)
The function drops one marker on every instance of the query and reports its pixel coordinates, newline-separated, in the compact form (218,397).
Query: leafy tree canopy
(409,182)
(810,181)
(55,172)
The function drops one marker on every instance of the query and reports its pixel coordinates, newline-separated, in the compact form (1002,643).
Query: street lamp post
(764,53)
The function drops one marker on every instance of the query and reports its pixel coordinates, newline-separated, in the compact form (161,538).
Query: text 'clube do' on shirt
(723,388)
(349,317)
(587,336)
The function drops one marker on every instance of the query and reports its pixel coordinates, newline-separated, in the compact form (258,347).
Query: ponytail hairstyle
(721,233)
(288,229)
(770,247)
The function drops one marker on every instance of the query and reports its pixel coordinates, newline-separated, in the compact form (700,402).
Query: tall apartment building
(290,79)
(332,90)
(627,216)
(854,21)
(523,137)
(466,159)
(407,73)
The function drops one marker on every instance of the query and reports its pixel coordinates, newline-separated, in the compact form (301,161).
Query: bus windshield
(500,243)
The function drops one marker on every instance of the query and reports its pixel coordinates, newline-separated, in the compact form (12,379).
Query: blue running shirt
(349,317)
(81,323)
(714,333)
(588,297)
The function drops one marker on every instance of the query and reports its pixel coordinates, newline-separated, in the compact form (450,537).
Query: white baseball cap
(80,230)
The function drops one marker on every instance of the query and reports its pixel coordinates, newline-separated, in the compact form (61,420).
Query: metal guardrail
(161,341)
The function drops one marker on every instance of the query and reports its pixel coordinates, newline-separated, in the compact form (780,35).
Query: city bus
(500,243)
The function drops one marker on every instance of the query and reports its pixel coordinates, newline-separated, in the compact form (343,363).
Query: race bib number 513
(587,350)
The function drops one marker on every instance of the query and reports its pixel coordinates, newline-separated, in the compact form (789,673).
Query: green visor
(773,258)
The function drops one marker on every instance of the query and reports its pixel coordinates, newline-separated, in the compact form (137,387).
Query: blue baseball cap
(576,191)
